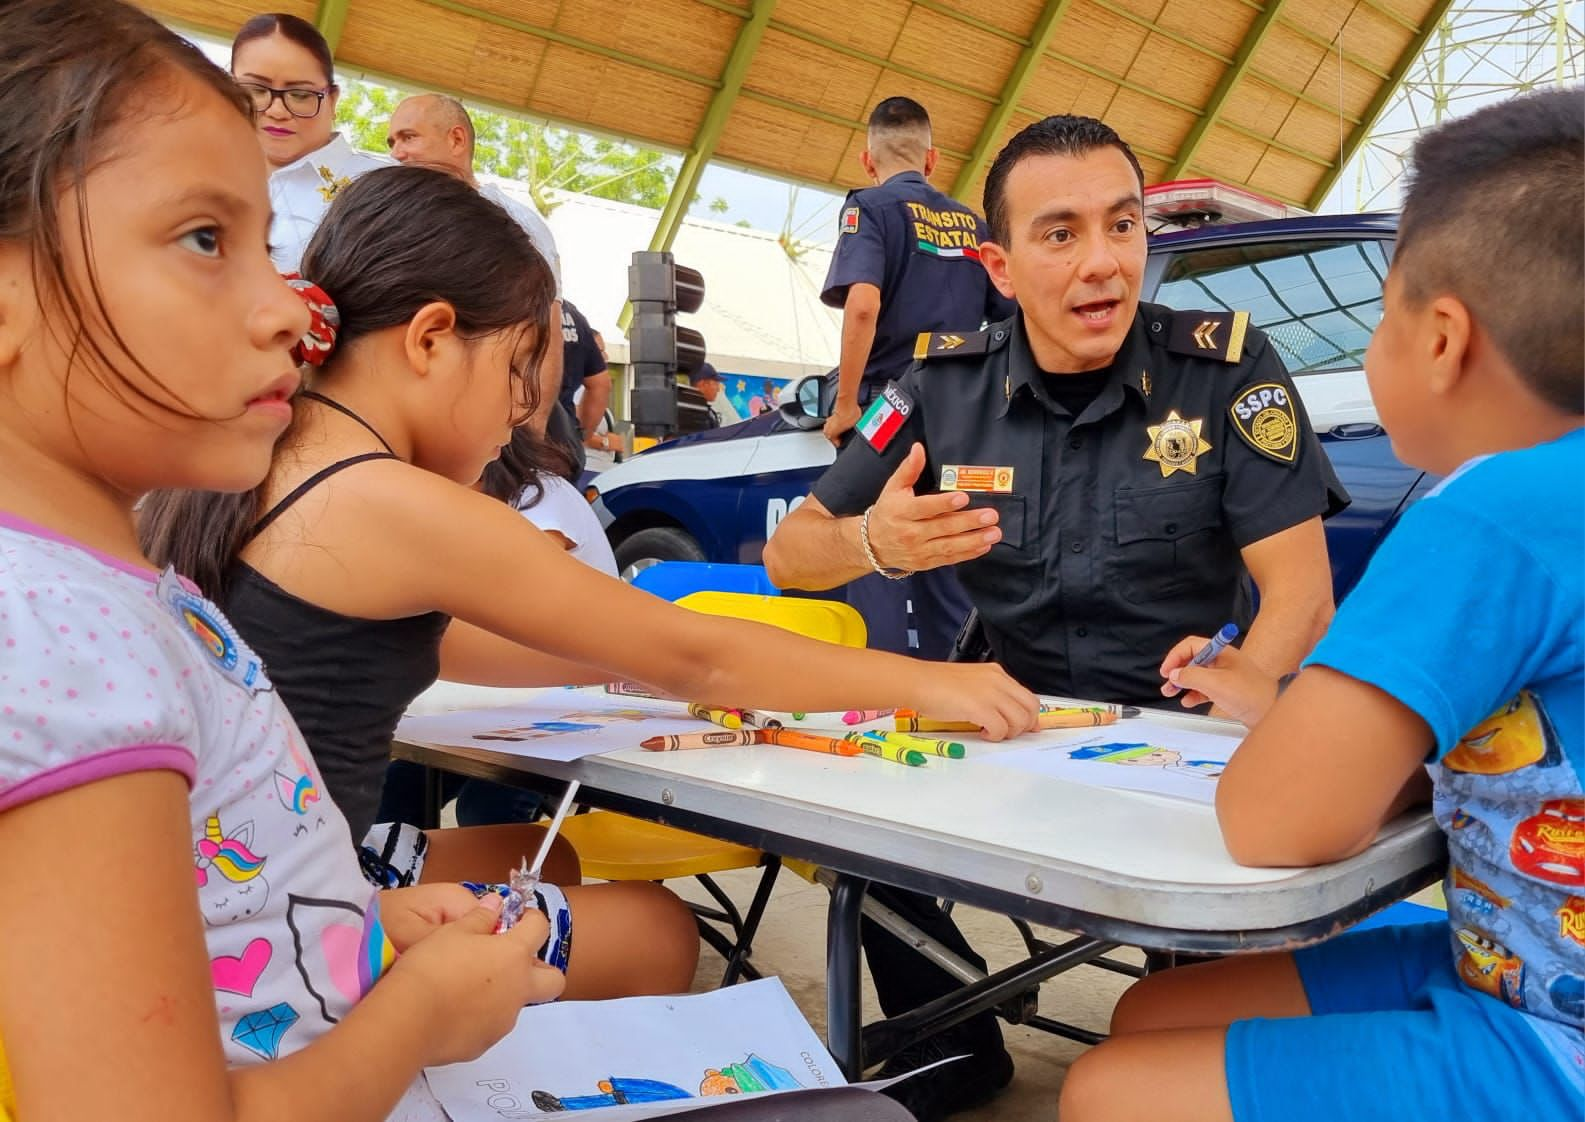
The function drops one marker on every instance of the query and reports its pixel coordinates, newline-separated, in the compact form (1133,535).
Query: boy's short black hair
(1494,214)
(1052,136)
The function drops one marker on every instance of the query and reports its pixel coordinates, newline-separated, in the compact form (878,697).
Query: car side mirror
(806,408)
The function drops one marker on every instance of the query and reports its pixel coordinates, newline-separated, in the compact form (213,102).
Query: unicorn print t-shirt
(107,669)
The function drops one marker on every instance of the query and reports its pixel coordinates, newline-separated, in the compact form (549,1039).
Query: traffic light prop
(658,348)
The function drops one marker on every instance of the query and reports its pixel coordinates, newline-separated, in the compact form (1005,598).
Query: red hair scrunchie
(323,322)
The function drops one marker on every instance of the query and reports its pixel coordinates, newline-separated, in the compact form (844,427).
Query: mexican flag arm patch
(885,417)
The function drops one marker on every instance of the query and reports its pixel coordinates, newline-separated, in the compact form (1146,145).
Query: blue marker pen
(1216,646)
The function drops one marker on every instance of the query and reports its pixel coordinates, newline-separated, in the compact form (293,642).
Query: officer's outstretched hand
(1235,684)
(981,693)
(909,531)
(844,415)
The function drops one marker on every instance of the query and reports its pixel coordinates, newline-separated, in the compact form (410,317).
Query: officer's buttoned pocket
(1010,518)
(1169,538)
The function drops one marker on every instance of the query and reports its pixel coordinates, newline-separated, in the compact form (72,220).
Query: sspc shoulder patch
(1213,335)
(1264,416)
(850,220)
(885,416)
(937,344)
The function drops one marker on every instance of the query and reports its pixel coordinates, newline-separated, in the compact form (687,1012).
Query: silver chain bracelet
(869,553)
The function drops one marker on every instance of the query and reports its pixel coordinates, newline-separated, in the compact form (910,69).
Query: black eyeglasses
(299,102)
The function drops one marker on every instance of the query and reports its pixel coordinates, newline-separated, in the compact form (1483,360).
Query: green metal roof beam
(1213,53)
(876,60)
(828,118)
(330,19)
(554,36)
(971,21)
(1012,91)
(1330,45)
(1387,13)
(709,134)
(1224,88)
(1378,104)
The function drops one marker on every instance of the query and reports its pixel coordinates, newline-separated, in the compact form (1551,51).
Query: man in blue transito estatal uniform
(907,262)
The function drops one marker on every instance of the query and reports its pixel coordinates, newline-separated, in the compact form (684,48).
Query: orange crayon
(792,738)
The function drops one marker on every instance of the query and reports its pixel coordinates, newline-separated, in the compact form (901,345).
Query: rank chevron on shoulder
(935,344)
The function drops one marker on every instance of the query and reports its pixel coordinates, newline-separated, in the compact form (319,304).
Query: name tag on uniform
(967,477)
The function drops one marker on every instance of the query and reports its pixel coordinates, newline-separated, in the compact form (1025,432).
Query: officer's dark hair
(1052,136)
(1494,215)
(900,128)
(294,29)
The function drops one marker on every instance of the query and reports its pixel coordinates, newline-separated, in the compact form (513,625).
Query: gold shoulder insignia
(1213,335)
(934,344)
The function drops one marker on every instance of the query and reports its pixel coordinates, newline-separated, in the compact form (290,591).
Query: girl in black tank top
(375,566)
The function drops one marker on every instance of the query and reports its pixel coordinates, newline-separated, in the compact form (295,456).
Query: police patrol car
(1312,284)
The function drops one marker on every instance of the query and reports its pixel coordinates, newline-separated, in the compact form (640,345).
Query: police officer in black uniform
(1105,475)
(906,261)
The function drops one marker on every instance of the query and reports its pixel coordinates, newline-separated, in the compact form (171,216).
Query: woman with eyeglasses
(283,63)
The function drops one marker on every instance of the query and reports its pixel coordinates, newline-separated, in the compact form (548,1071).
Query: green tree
(540,155)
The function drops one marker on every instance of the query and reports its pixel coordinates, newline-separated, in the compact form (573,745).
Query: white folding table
(1120,868)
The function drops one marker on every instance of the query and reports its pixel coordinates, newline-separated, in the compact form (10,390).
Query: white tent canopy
(762,313)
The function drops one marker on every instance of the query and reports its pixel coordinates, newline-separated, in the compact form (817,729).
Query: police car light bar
(1208,202)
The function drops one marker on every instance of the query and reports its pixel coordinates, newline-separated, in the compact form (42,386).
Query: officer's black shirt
(1105,561)
(580,355)
(921,249)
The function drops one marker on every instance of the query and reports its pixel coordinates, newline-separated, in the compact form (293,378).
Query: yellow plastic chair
(617,847)
(828,620)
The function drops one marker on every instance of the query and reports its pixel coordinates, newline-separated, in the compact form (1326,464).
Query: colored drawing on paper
(558,725)
(640,1057)
(1132,755)
(749,1077)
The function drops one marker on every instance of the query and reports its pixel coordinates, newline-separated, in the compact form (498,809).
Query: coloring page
(589,1056)
(1132,755)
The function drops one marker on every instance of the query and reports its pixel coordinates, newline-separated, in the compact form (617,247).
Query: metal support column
(330,19)
(1012,91)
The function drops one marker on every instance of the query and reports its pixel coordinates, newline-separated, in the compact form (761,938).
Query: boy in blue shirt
(1459,659)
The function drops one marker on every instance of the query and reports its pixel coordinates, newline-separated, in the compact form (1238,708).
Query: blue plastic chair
(672,580)
(1401,913)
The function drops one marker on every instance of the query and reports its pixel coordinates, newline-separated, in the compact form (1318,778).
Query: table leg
(843,956)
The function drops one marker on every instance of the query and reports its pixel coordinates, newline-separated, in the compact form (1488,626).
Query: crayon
(1122,711)
(1049,719)
(1207,654)
(726,718)
(862,716)
(930,746)
(896,753)
(631,689)
(809,742)
(727,739)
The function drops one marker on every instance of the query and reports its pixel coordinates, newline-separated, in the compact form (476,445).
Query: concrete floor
(791,944)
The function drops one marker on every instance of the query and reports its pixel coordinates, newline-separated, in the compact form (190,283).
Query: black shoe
(960,1085)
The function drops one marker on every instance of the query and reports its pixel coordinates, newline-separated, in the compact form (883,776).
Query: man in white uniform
(435,130)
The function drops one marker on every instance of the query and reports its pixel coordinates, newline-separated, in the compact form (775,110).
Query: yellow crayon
(726,718)
(1049,719)
(896,753)
(930,746)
